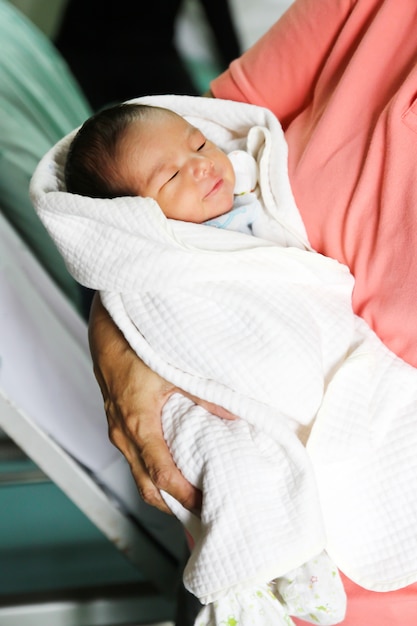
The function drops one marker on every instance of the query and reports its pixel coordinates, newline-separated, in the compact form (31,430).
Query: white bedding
(267,332)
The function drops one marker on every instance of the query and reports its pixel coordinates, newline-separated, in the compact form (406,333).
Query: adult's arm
(281,69)
(133,399)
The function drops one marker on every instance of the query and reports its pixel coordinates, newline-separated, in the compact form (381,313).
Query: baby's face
(167,159)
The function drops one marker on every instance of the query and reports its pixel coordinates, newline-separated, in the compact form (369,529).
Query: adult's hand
(133,399)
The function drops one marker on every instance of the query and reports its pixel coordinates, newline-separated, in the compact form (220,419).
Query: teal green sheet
(40,102)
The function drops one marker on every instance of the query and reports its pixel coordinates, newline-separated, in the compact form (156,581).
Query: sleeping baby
(148,151)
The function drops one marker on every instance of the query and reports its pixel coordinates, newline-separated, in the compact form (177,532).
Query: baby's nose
(202,166)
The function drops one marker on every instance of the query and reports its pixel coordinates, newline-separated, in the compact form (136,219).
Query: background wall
(252,19)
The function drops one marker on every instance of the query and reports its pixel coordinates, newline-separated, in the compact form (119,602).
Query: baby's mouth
(215,188)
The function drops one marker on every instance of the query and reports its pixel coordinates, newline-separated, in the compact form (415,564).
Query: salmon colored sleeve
(279,71)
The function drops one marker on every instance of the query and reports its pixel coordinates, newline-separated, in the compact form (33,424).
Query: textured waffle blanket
(324,455)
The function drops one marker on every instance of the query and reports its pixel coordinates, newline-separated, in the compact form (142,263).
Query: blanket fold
(324,455)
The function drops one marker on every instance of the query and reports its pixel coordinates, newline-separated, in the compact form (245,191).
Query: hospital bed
(50,405)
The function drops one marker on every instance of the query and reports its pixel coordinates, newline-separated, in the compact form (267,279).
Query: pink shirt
(341,77)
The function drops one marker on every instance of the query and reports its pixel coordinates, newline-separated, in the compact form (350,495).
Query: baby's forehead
(165,119)
(167,115)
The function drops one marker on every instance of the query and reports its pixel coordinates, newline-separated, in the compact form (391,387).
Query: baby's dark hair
(91,164)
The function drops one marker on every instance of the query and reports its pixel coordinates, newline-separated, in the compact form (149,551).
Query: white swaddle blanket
(267,332)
